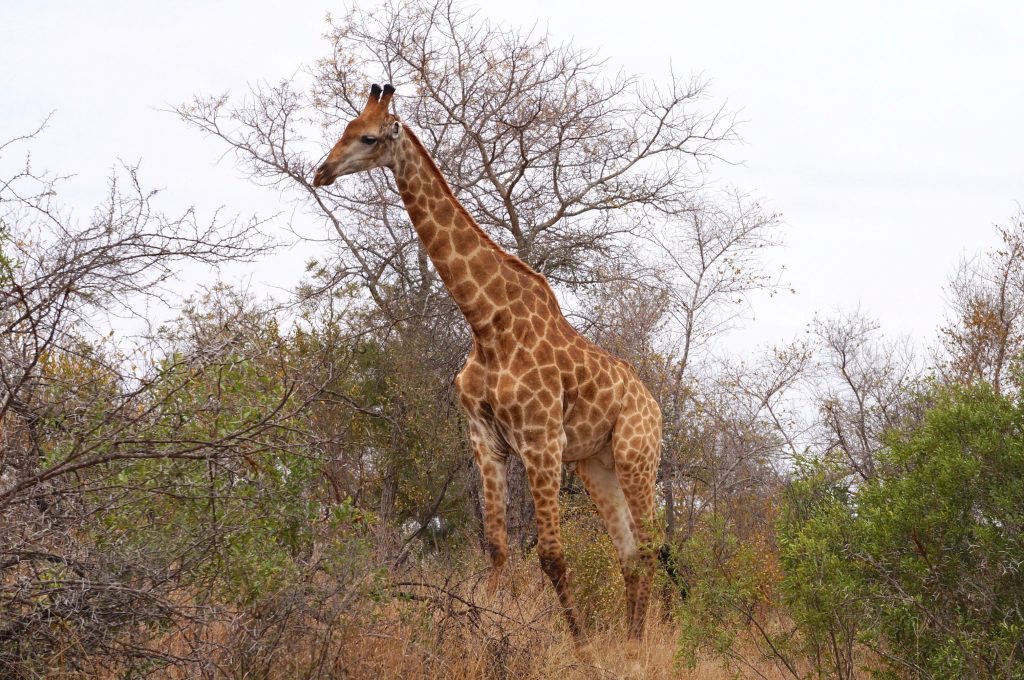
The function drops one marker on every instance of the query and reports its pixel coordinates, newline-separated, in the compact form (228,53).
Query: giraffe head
(369,140)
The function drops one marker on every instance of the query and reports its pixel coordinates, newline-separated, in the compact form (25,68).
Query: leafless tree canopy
(60,274)
(867,389)
(985,336)
(75,410)
(559,161)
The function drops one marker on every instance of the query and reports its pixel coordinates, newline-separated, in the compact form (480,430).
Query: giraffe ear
(396,129)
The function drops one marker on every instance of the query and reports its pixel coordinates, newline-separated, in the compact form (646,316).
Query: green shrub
(596,577)
(925,562)
(730,582)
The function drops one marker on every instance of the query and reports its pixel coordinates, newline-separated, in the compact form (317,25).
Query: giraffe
(532,386)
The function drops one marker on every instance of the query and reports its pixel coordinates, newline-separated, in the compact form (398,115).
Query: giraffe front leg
(492,466)
(544,473)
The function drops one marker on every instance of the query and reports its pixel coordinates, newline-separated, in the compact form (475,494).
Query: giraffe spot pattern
(533,386)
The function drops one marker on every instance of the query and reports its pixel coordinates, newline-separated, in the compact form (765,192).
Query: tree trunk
(667,484)
(388,494)
(522,524)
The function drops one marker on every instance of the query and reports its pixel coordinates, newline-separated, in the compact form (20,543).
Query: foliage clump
(593,565)
(923,563)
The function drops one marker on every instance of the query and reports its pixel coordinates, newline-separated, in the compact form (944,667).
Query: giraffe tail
(669,565)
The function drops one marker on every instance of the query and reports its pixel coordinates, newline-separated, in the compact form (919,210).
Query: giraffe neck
(483,279)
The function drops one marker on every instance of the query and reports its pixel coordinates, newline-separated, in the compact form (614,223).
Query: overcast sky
(890,135)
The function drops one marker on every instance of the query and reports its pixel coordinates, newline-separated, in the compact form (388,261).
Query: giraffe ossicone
(532,385)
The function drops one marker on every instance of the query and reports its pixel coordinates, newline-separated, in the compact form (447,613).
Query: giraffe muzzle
(324,176)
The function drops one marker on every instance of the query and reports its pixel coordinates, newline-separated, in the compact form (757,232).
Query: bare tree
(60,275)
(711,259)
(563,164)
(867,387)
(985,337)
(557,161)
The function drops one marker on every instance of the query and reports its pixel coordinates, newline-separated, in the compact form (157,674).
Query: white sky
(889,134)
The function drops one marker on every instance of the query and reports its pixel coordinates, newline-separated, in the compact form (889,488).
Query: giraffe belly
(584,437)
(575,451)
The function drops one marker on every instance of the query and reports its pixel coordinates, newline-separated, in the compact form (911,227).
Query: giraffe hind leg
(636,462)
(598,474)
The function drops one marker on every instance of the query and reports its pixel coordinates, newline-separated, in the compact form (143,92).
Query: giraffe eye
(369,140)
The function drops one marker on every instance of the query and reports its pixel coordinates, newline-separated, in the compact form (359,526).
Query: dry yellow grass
(440,628)
(456,631)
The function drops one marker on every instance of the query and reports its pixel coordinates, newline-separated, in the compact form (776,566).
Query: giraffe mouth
(324,176)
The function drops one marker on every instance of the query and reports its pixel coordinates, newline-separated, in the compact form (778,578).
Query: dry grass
(434,628)
(455,631)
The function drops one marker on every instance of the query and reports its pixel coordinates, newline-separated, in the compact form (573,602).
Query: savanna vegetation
(283,488)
